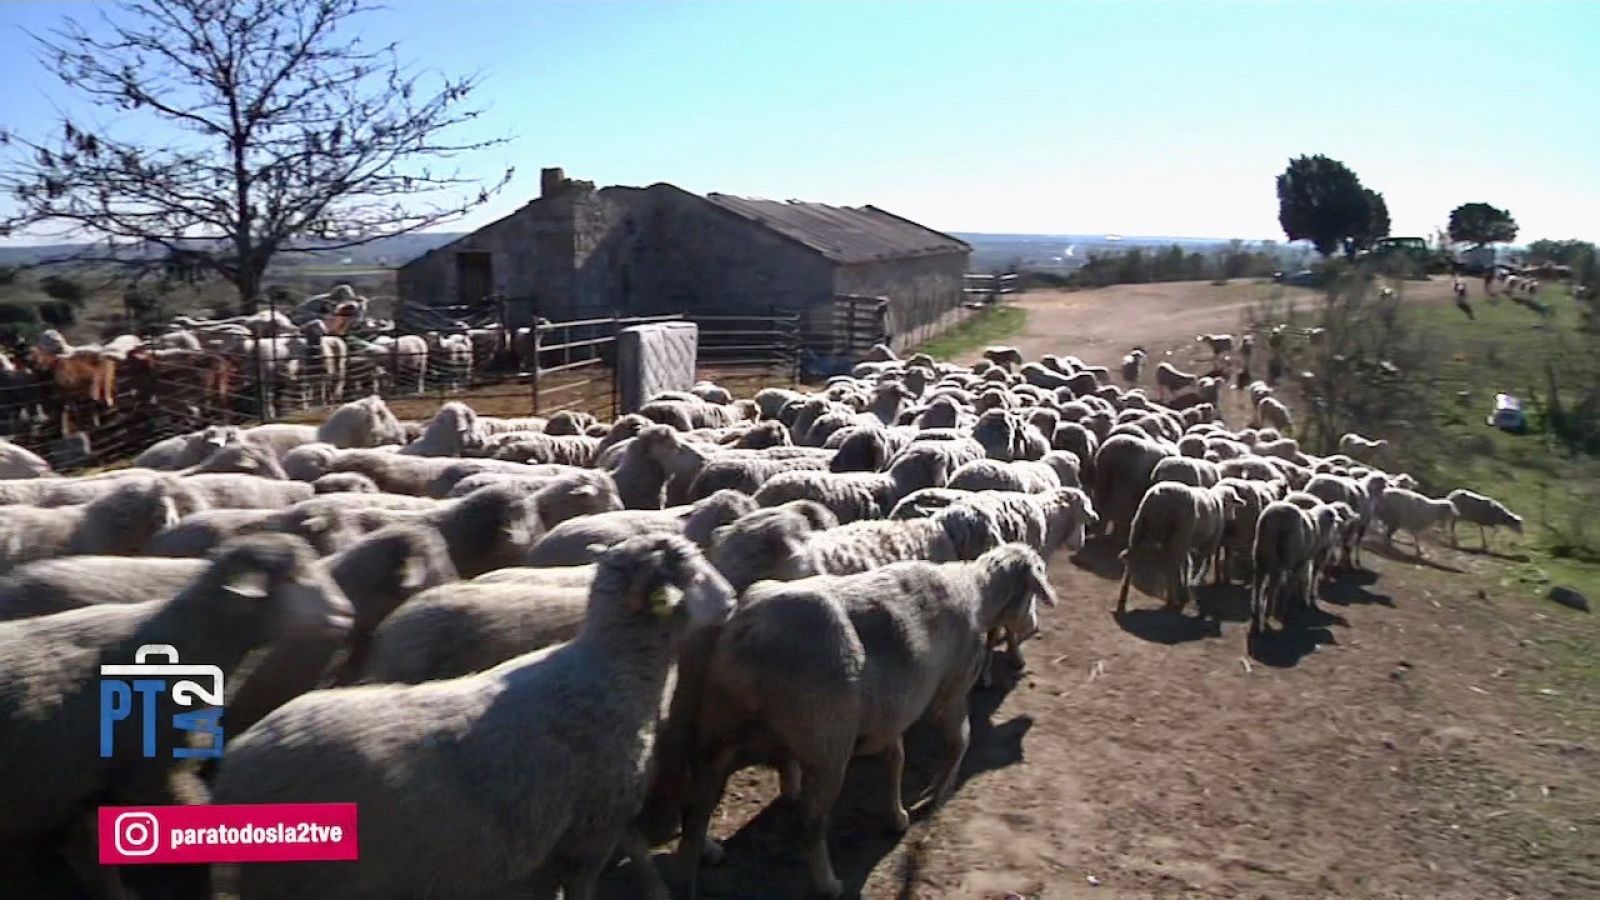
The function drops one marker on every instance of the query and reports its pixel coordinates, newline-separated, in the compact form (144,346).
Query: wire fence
(539,369)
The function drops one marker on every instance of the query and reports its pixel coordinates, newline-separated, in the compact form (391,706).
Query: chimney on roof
(550,181)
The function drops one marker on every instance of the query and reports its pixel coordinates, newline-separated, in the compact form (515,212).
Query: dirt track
(1391,751)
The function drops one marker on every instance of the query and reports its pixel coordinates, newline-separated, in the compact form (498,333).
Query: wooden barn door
(474,277)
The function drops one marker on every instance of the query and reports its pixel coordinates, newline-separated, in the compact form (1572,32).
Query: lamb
(1176,533)
(1282,560)
(117,523)
(1476,509)
(1358,447)
(361,423)
(256,590)
(345,483)
(562,814)
(70,582)
(1170,380)
(1403,510)
(577,542)
(376,575)
(1270,412)
(876,653)
(20,462)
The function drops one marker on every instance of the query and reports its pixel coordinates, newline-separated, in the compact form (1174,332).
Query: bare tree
(257,127)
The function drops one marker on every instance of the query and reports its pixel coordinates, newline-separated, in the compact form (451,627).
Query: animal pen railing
(540,369)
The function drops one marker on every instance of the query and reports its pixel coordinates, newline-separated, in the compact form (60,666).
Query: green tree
(1479,224)
(242,129)
(1322,201)
(1375,227)
(65,289)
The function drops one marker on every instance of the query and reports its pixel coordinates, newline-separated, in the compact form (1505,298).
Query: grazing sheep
(1358,447)
(1403,510)
(556,814)
(1176,533)
(580,541)
(1170,380)
(1282,559)
(256,590)
(833,667)
(1476,509)
(70,582)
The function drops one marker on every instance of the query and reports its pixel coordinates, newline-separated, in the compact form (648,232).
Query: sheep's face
(769,544)
(275,580)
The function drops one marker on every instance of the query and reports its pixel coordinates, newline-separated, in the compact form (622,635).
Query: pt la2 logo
(150,681)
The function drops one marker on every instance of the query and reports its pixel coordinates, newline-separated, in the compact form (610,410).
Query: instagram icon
(136,834)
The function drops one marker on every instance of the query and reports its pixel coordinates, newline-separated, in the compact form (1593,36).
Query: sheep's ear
(596,550)
(585,490)
(248,463)
(249,584)
(315,524)
(412,574)
(169,512)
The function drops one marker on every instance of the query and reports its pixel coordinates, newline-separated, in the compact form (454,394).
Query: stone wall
(921,290)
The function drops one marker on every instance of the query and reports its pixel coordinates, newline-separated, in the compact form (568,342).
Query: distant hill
(386,252)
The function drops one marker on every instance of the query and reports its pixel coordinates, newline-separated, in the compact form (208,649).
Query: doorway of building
(474,277)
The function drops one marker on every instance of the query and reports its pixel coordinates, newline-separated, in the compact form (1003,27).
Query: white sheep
(1365,449)
(71,582)
(20,462)
(1174,536)
(120,522)
(1170,379)
(1270,412)
(402,752)
(1484,512)
(835,667)
(256,590)
(1282,558)
(361,423)
(579,541)
(1403,510)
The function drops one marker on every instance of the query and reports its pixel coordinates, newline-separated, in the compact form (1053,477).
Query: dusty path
(1399,748)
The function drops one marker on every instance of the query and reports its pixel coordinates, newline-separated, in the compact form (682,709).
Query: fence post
(261,369)
(535,332)
(616,345)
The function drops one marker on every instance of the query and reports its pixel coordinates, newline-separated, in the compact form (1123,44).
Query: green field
(1556,491)
(987,327)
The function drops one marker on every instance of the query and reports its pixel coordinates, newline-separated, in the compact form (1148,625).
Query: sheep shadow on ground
(1490,553)
(1164,626)
(765,859)
(1350,588)
(1285,647)
(1099,557)
(1393,553)
(1224,602)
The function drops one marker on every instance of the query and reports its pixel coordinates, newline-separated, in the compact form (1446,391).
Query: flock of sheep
(524,646)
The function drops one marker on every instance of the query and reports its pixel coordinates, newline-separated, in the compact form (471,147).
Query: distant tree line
(1140,265)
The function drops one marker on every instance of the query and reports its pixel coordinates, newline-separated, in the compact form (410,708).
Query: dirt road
(1401,747)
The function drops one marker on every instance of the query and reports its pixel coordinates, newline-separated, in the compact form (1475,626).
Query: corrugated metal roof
(844,234)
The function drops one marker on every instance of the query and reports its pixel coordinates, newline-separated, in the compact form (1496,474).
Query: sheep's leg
(707,779)
(1014,651)
(789,779)
(1122,598)
(1483,536)
(1453,535)
(894,758)
(957,735)
(822,784)
(638,851)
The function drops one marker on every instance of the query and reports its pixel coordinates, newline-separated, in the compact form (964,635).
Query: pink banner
(255,832)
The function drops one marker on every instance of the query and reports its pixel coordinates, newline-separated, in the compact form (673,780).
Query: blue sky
(1127,117)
